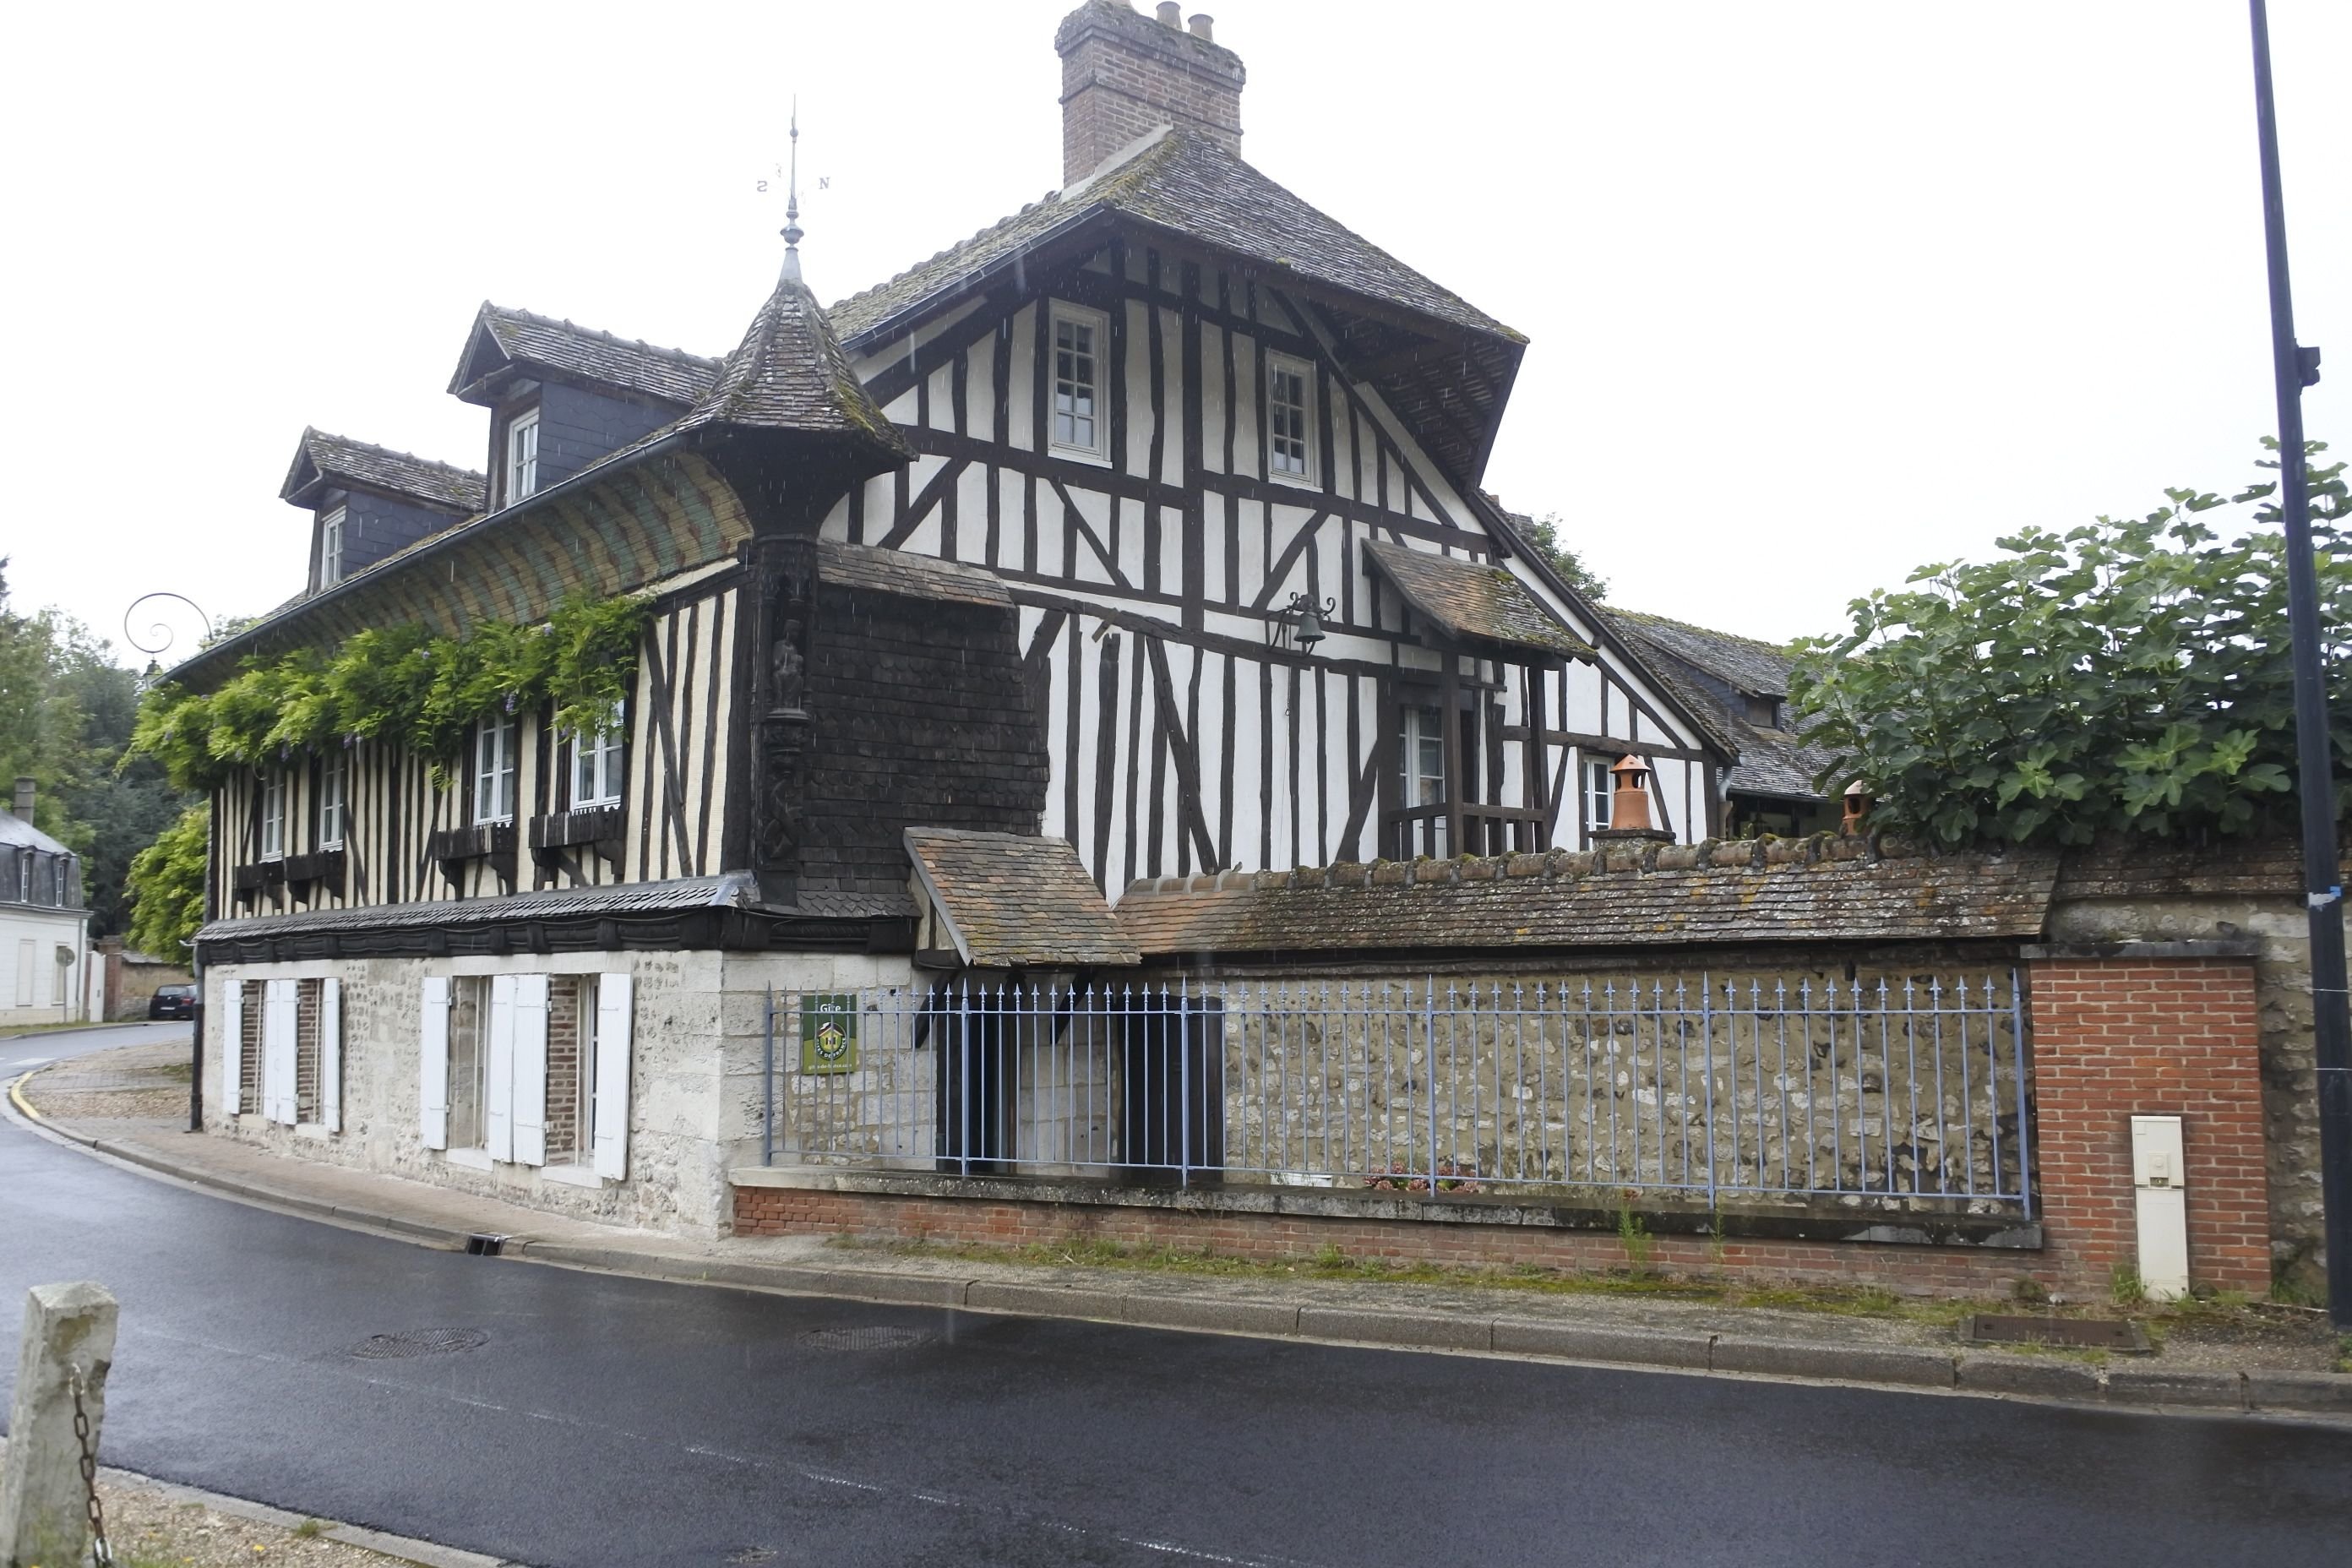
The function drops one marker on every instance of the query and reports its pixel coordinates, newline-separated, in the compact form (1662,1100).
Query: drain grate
(865,1338)
(2077,1333)
(419,1341)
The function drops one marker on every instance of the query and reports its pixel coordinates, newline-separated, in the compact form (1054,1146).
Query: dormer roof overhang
(323,462)
(504,344)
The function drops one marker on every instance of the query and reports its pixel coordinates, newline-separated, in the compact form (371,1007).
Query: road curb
(1892,1367)
(400,1548)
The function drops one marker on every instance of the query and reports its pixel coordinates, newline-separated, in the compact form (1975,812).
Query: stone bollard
(44,1504)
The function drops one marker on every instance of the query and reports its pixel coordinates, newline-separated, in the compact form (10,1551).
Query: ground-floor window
(528,1069)
(282,1051)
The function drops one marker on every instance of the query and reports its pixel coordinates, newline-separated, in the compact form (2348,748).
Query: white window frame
(334,793)
(1097,355)
(273,815)
(522,456)
(1599,792)
(495,773)
(598,764)
(331,546)
(1421,725)
(1278,366)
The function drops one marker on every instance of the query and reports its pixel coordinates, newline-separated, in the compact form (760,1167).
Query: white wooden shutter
(612,1126)
(433,1063)
(331,1054)
(530,1070)
(499,1079)
(280,1008)
(232,1038)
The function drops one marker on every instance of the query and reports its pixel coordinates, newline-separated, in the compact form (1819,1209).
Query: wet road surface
(611,1421)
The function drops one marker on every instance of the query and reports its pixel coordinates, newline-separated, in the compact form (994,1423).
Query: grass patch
(309,1528)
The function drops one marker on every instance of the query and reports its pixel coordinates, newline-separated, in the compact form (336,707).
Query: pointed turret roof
(790,373)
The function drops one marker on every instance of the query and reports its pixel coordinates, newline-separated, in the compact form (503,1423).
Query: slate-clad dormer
(561,396)
(367,502)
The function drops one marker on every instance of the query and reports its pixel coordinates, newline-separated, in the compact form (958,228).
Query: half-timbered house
(1138,535)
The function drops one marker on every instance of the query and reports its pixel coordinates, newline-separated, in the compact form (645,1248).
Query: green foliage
(1633,1235)
(400,684)
(66,716)
(167,887)
(1541,534)
(2126,675)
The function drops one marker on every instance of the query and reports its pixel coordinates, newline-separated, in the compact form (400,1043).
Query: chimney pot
(1171,13)
(1205,26)
(24,797)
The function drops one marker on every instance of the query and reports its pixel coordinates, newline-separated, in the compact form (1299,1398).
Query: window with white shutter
(233,1048)
(280,1006)
(433,1063)
(610,1113)
(528,1099)
(497,1076)
(331,1054)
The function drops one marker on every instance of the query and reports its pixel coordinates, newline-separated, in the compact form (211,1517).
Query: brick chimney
(24,801)
(1124,74)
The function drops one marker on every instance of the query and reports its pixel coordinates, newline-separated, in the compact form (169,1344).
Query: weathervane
(791,230)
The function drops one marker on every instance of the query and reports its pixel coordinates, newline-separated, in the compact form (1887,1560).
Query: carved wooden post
(785,575)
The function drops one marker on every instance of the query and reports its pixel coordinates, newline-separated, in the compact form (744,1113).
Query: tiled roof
(909,576)
(1473,600)
(671,374)
(733,889)
(442,487)
(1016,902)
(16,833)
(1197,189)
(789,373)
(1745,892)
(1696,663)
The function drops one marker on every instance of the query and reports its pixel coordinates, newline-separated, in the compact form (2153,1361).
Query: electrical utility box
(2160,1194)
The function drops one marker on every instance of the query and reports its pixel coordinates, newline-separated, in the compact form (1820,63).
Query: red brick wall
(564,1145)
(307,997)
(2115,1038)
(1911,1270)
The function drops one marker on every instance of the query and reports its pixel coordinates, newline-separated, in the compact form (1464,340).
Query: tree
(66,711)
(2129,677)
(1541,535)
(167,887)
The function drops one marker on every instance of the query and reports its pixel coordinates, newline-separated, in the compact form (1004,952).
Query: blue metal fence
(1894,1091)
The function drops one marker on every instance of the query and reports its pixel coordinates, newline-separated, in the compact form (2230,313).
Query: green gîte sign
(828,1034)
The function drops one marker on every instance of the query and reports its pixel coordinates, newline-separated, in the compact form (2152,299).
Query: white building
(44,929)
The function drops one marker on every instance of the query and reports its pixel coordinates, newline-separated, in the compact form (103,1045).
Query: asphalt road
(613,1421)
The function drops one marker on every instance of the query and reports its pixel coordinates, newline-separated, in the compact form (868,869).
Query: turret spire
(792,229)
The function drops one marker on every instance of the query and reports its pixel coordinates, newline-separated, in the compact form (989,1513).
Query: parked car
(173,1002)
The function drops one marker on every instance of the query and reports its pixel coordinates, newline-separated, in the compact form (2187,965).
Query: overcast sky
(1816,291)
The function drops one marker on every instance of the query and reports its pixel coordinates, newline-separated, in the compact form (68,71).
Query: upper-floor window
(24,875)
(596,770)
(1078,337)
(522,456)
(1289,415)
(1763,711)
(494,769)
(334,783)
(1599,789)
(273,816)
(331,548)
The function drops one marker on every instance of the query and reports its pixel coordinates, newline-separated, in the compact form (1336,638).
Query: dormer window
(331,547)
(522,456)
(1764,712)
(1289,415)
(1078,335)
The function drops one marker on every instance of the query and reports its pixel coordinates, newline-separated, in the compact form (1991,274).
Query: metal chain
(100,1554)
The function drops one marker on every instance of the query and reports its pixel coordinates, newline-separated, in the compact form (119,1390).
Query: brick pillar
(110,952)
(2149,1029)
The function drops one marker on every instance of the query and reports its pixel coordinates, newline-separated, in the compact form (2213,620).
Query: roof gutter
(433,545)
